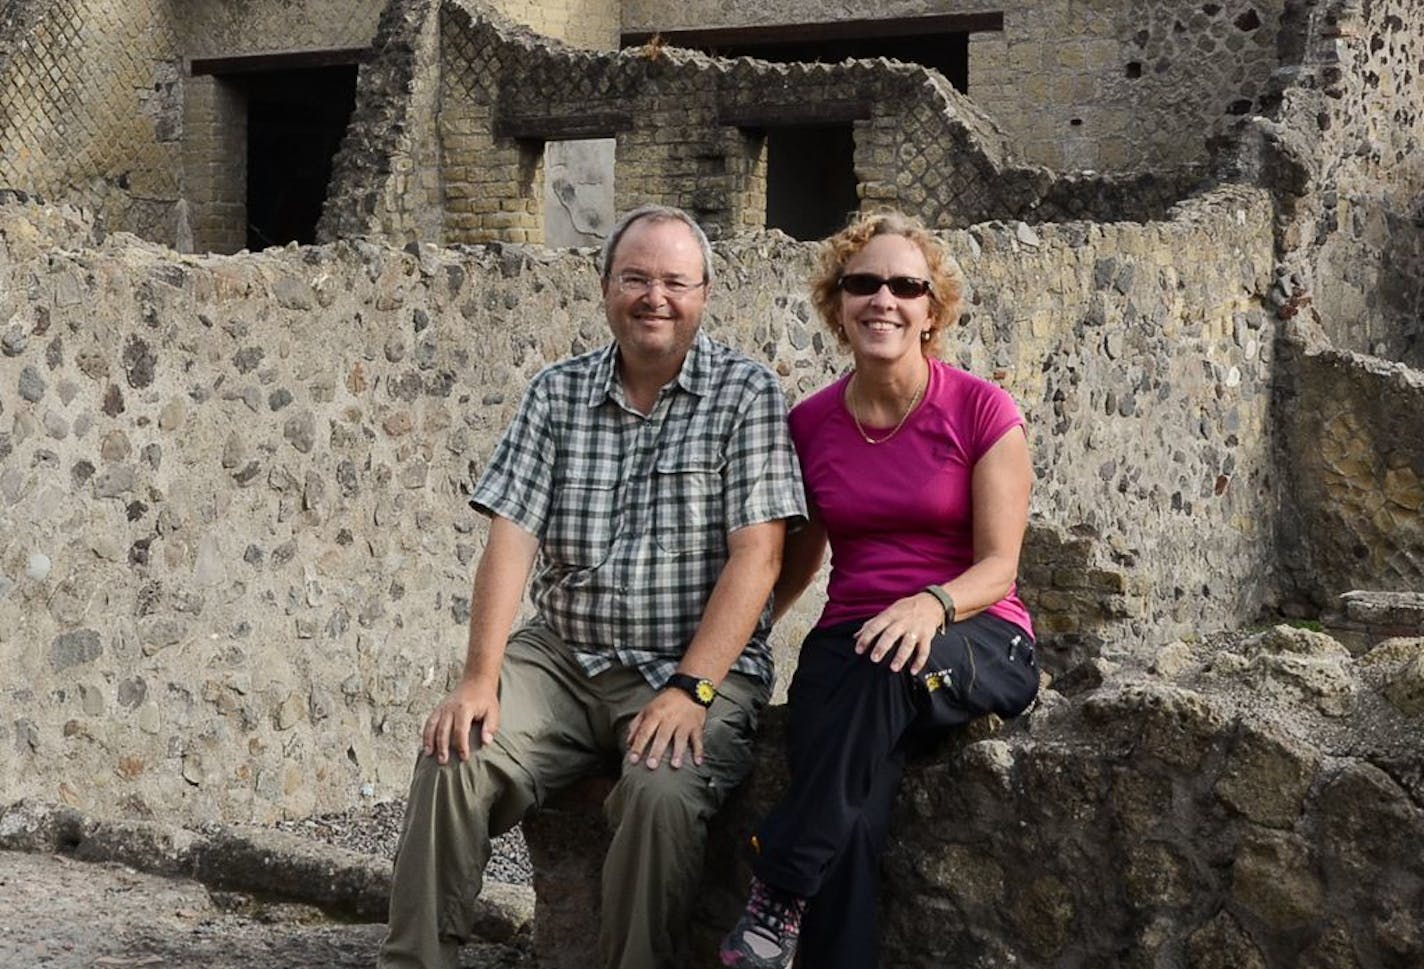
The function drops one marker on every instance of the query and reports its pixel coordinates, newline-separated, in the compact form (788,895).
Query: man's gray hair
(655,213)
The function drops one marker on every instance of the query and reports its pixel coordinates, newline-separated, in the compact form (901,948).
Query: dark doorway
(810,179)
(295,122)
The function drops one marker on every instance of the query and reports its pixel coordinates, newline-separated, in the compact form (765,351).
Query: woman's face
(882,326)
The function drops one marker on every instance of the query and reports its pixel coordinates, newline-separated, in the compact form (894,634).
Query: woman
(918,477)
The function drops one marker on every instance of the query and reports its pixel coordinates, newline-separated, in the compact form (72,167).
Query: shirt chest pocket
(689,501)
(580,528)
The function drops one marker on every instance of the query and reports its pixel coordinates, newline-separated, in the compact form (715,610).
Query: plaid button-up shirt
(633,512)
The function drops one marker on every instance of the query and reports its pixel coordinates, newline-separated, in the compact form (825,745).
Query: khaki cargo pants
(558,725)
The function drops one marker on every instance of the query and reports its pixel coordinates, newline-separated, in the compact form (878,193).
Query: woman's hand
(904,632)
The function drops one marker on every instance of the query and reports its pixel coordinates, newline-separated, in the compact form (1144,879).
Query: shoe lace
(774,914)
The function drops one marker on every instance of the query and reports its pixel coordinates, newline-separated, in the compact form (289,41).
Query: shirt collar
(695,377)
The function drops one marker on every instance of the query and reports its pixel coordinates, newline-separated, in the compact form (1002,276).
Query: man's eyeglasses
(636,284)
(868,284)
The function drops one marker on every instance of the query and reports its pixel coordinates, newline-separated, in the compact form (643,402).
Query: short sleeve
(763,477)
(995,413)
(517,482)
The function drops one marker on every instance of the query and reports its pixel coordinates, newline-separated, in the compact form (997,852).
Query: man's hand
(671,719)
(468,704)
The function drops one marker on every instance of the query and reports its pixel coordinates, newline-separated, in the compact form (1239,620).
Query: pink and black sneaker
(765,936)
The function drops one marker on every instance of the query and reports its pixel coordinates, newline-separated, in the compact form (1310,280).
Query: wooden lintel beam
(565,127)
(287,61)
(790,115)
(715,37)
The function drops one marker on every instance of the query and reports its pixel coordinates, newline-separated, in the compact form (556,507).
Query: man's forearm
(737,600)
(498,590)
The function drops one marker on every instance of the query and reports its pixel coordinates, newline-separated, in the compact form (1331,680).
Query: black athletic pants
(852,722)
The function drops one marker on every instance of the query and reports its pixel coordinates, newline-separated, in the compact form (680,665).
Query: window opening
(810,179)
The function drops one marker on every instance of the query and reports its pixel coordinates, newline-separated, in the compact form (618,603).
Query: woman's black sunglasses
(866,284)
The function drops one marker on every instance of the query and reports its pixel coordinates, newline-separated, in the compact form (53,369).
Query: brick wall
(215,164)
(1112,87)
(690,130)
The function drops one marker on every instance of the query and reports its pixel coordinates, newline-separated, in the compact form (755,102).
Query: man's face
(654,329)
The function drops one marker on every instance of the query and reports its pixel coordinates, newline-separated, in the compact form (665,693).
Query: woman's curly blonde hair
(946,280)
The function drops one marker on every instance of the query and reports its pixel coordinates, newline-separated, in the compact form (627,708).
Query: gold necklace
(903,417)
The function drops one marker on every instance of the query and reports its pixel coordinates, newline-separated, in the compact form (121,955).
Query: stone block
(1273,878)
(1267,777)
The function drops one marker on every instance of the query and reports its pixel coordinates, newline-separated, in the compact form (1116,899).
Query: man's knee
(432,780)
(665,796)
(487,786)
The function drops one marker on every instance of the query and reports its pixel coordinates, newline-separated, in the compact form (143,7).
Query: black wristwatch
(699,688)
(946,603)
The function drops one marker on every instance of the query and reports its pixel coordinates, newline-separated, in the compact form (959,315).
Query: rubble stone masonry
(237,546)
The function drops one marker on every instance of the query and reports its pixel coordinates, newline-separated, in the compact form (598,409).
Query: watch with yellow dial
(699,688)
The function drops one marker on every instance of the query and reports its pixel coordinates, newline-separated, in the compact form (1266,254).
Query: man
(652,482)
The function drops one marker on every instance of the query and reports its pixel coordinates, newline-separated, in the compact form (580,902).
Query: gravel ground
(57,913)
(375,830)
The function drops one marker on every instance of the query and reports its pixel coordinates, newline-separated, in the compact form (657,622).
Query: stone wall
(386,178)
(222,28)
(167,162)
(1108,86)
(237,559)
(1351,424)
(1371,241)
(97,108)
(90,108)
(1341,152)
(1249,802)
(583,23)
(690,131)
(1147,379)
(215,108)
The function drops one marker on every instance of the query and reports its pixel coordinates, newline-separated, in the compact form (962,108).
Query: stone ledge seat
(568,837)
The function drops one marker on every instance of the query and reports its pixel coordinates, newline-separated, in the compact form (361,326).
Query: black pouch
(980,666)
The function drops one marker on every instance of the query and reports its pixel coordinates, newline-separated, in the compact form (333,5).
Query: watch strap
(946,602)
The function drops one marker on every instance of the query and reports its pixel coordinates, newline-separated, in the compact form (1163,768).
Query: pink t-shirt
(898,514)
